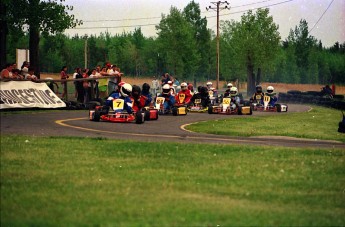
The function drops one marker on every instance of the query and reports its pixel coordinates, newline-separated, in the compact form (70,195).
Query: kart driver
(272,95)
(258,96)
(184,92)
(227,91)
(123,93)
(202,94)
(235,99)
(138,100)
(169,98)
(146,92)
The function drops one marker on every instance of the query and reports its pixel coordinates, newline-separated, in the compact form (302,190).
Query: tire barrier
(312,97)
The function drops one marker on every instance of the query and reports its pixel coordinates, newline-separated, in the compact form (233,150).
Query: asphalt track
(166,128)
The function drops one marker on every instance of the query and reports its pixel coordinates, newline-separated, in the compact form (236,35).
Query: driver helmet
(270,89)
(166,89)
(229,85)
(136,90)
(126,90)
(184,86)
(146,87)
(258,88)
(203,90)
(233,91)
(209,84)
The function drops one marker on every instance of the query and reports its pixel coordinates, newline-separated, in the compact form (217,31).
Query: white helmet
(229,85)
(270,89)
(166,89)
(233,91)
(209,83)
(184,86)
(126,90)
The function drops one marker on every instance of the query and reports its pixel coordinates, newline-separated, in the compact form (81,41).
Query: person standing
(6,73)
(155,85)
(64,76)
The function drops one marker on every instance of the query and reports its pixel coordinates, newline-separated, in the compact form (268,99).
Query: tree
(201,34)
(177,44)
(38,17)
(254,42)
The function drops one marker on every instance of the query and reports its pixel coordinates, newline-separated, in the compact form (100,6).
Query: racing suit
(148,97)
(116,95)
(203,96)
(273,99)
(169,101)
(187,97)
(255,97)
(138,102)
(235,101)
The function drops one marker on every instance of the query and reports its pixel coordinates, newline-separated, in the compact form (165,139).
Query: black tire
(139,118)
(174,111)
(239,110)
(147,115)
(97,116)
(279,108)
(210,110)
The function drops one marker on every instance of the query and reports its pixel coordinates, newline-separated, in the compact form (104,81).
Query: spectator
(31,76)
(25,68)
(79,86)
(155,86)
(114,79)
(6,73)
(87,88)
(64,76)
(16,74)
(74,76)
(103,83)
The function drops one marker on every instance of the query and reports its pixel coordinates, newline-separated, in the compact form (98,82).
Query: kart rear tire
(210,110)
(279,108)
(97,115)
(139,117)
(147,115)
(174,111)
(239,110)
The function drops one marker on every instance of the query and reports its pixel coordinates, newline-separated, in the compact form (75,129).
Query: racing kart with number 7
(117,115)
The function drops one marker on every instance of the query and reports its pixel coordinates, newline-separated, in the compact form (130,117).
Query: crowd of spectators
(12,72)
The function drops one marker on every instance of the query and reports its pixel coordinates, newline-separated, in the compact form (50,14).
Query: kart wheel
(279,108)
(147,115)
(210,110)
(139,117)
(97,115)
(239,110)
(174,111)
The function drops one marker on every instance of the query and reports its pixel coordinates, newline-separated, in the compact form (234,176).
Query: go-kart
(225,108)
(175,110)
(258,106)
(197,107)
(150,113)
(118,115)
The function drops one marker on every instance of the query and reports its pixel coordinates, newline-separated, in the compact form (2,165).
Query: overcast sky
(326,18)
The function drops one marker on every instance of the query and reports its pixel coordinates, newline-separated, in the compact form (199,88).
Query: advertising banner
(27,94)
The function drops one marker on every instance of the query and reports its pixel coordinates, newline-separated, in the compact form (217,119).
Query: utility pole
(218,6)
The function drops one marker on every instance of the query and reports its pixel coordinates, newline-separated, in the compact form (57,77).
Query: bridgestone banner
(27,94)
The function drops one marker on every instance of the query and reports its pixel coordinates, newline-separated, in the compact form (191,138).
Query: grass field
(98,182)
(60,181)
(319,123)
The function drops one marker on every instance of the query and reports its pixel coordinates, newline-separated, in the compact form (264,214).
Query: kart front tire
(279,108)
(139,117)
(210,110)
(147,115)
(239,110)
(97,115)
(174,111)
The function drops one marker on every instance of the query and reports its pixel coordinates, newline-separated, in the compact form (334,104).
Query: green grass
(319,123)
(99,182)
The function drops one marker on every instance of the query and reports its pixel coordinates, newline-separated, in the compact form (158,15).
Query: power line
(149,18)
(321,16)
(143,25)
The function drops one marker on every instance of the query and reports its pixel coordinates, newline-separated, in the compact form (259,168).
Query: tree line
(250,49)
